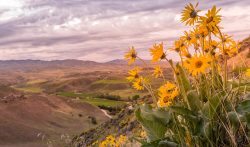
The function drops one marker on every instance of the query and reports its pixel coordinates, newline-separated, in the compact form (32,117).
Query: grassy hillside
(88,98)
(42,116)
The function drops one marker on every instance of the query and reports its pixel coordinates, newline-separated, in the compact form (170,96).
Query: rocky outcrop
(123,124)
(11,98)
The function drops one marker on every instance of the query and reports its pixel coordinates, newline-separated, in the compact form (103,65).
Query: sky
(102,30)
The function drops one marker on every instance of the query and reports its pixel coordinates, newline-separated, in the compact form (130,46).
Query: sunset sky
(101,30)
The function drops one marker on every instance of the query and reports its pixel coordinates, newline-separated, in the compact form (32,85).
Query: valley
(50,102)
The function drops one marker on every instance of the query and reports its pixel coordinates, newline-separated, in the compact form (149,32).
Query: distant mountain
(27,65)
(138,63)
(117,61)
(40,64)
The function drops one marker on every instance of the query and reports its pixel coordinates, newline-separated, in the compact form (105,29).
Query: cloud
(100,30)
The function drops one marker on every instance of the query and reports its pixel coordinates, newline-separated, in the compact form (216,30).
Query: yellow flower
(121,140)
(230,46)
(203,31)
(167,93)
(143,134)
(198,64)
(226,39)
(179,45)
(187,38)
(177,71)
(108,142)
(211,20)
(248,72)
(111,141)
(164,102)
(186,63)
(133,74)
(230,49)
(157,52)
(138,84)
(195,35)
(131,55)
(190,14)
(210,46)
(214,44)
(185,53)
(207,47)
(157,72)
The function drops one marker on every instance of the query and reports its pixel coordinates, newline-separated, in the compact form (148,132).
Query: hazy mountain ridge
(34,64)
(69,63)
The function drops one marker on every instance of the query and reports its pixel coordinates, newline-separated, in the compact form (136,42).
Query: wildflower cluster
(167,93)
(111,141)
(200,102)
(138,81)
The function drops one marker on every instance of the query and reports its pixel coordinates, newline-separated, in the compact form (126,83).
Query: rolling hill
(37,119)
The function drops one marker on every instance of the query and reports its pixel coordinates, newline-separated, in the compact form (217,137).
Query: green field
(122,81)
(103,102)
(126,93)
(94,101)
(29,89)
(37,81)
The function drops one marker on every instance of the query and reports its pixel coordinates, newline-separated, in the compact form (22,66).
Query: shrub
(92,120)
(200,107)
(110,97)
(135,97)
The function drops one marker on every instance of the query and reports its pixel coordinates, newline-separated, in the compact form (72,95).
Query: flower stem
(225,59)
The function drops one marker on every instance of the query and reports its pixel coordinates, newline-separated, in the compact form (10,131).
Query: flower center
(165,99)
(163,56)
(193,14)
(133,55)
(198,64)
(210,19)
(197,36)
(188,55)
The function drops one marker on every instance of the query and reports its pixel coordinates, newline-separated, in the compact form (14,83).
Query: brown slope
(21,121)
(243,57)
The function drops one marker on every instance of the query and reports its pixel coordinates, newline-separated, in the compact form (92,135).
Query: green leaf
(207,130)
(244,106)
(247,117)
(244,109)
(162,115)
(152,144)
(210,107)
(154,128)
(234,120)
(182,78)
(184,112)
(166,143)
(195,104)
(218,83)
(160,143)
